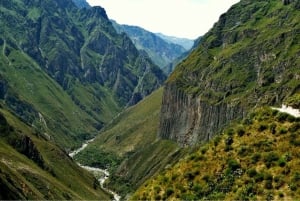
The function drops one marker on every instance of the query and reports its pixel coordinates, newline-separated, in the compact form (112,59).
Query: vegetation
(261,164)
(130,148)
(238,62)
(32,167)
(69,66)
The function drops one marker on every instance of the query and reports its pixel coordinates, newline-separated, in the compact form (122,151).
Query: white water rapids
(100,174)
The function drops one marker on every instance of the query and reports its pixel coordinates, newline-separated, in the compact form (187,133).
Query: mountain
(81,4)
(219,104)
(184,42)
(248,59)
(64,74)
(255,159)
(160,51)
(66,70)
(130,148)
(32,167)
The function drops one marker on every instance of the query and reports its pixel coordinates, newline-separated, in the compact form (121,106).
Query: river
(101,174)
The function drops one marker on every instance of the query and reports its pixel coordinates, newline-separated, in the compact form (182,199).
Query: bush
(270,158)
(268,184)
(240,131)
(230,132)
(252,172)
(244,151)
(169,192)
(233,165)
(255,157)
(229,141)
(283,130)
(262,127)
(259,177)
(282,117)
(282,162)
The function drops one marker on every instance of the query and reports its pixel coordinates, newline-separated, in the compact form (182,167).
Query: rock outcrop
(237,66)
(189,120)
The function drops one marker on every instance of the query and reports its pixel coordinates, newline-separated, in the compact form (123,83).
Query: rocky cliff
(248,59)
(189,120)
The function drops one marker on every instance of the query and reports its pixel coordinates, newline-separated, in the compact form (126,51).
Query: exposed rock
(189,120)
(26,146)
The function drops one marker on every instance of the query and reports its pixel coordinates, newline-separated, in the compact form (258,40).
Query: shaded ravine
(101,174)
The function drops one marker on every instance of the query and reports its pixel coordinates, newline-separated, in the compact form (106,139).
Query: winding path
(100,174)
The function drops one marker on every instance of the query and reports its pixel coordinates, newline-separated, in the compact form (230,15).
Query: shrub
(233,165)
(280,194)
(157,197)
(296,177)
(244,151)
(294,127)
(228,148)
(188,196)
(240,131)
(283,130)
(259,177)
(255,157)
(293,186)
(270,158)
(268,184)
(230,132)
(217,140)
(169,192)
(229,141)
(252,172)
(282,117)
(282,162)
(262,127)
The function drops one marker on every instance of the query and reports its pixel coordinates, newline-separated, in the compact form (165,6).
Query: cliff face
(189,120)
(248,59)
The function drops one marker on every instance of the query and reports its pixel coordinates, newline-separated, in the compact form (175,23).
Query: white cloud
(182,18)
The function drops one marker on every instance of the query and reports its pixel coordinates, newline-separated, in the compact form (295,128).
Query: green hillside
(69,67)
(33,168)
(130,148)
(255,159)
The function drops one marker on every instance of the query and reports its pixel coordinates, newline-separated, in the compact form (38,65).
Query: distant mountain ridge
(161,51)
(184,42)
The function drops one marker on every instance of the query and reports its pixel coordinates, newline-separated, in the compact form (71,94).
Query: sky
(180,18)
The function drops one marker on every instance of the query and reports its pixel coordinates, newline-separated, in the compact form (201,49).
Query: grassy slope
(34,86)
(25,179)
(257,158)
(130,147)
(243,55)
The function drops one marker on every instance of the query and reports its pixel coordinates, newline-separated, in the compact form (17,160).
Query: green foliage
(32,167)
(257,165)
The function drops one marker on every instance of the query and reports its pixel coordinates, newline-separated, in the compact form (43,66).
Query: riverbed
(100,174)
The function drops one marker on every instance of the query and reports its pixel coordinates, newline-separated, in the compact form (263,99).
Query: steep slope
(67,71)
(160,51)
(249,58)
(255,159)
(33,168)
(130,148)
